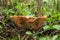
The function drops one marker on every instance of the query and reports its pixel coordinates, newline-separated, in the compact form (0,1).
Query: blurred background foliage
(50,8)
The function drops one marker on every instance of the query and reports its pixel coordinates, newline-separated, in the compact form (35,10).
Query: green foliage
(58,38)
(14,38)
(1,27)
(47,28)
(29,8)
(55,37)
(57,27)
(45,38)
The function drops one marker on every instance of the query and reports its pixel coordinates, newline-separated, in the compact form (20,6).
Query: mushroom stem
(38,9)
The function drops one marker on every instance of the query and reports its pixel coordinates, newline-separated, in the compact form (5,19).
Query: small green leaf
(51,27)
(47,28)
(28,32)
(56,27)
